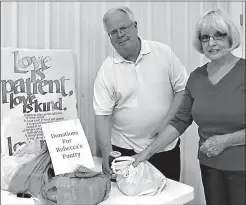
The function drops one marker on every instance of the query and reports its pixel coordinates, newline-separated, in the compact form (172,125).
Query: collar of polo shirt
(144,50)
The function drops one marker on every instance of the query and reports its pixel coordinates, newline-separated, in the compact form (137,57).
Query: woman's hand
(140,157)
(214,145)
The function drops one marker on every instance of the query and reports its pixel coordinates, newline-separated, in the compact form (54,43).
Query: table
(173,193)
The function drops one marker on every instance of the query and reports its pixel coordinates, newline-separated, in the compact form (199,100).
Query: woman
(215,99)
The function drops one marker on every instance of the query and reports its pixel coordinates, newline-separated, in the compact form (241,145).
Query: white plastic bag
(144,179)
(11,164)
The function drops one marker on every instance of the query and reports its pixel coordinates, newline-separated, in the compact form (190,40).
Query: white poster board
(68,146)
(37,87)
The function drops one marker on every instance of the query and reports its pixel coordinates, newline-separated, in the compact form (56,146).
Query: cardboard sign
(68,146)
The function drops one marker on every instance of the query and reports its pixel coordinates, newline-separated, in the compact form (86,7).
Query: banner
(37,87)
(68,146)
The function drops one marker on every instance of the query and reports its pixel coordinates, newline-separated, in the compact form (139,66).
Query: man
(137,91)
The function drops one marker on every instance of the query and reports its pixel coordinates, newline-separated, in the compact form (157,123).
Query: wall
(78,26)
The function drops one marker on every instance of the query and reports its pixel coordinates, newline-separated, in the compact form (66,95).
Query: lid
(115,154)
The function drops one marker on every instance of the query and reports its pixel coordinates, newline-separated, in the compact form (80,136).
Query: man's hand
(140,157)
(105,167)
(214,145)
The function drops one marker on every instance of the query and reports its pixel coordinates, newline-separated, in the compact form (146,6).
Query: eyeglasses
(123,30)
(216,37)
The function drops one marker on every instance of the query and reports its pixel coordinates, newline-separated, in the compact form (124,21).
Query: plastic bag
(11,164)
(32,175)
(143,179)
(83,186)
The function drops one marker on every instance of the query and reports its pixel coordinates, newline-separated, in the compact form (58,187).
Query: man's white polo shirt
(138,95)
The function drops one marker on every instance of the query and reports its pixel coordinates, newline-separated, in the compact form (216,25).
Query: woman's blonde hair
(220,21)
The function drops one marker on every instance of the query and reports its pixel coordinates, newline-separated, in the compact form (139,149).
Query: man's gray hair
(124,9)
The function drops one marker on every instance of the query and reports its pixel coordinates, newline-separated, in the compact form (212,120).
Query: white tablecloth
(8,198)
(173,193)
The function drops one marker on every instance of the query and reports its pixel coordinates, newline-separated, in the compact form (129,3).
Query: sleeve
(177,73)
(183,118)
(104,95)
